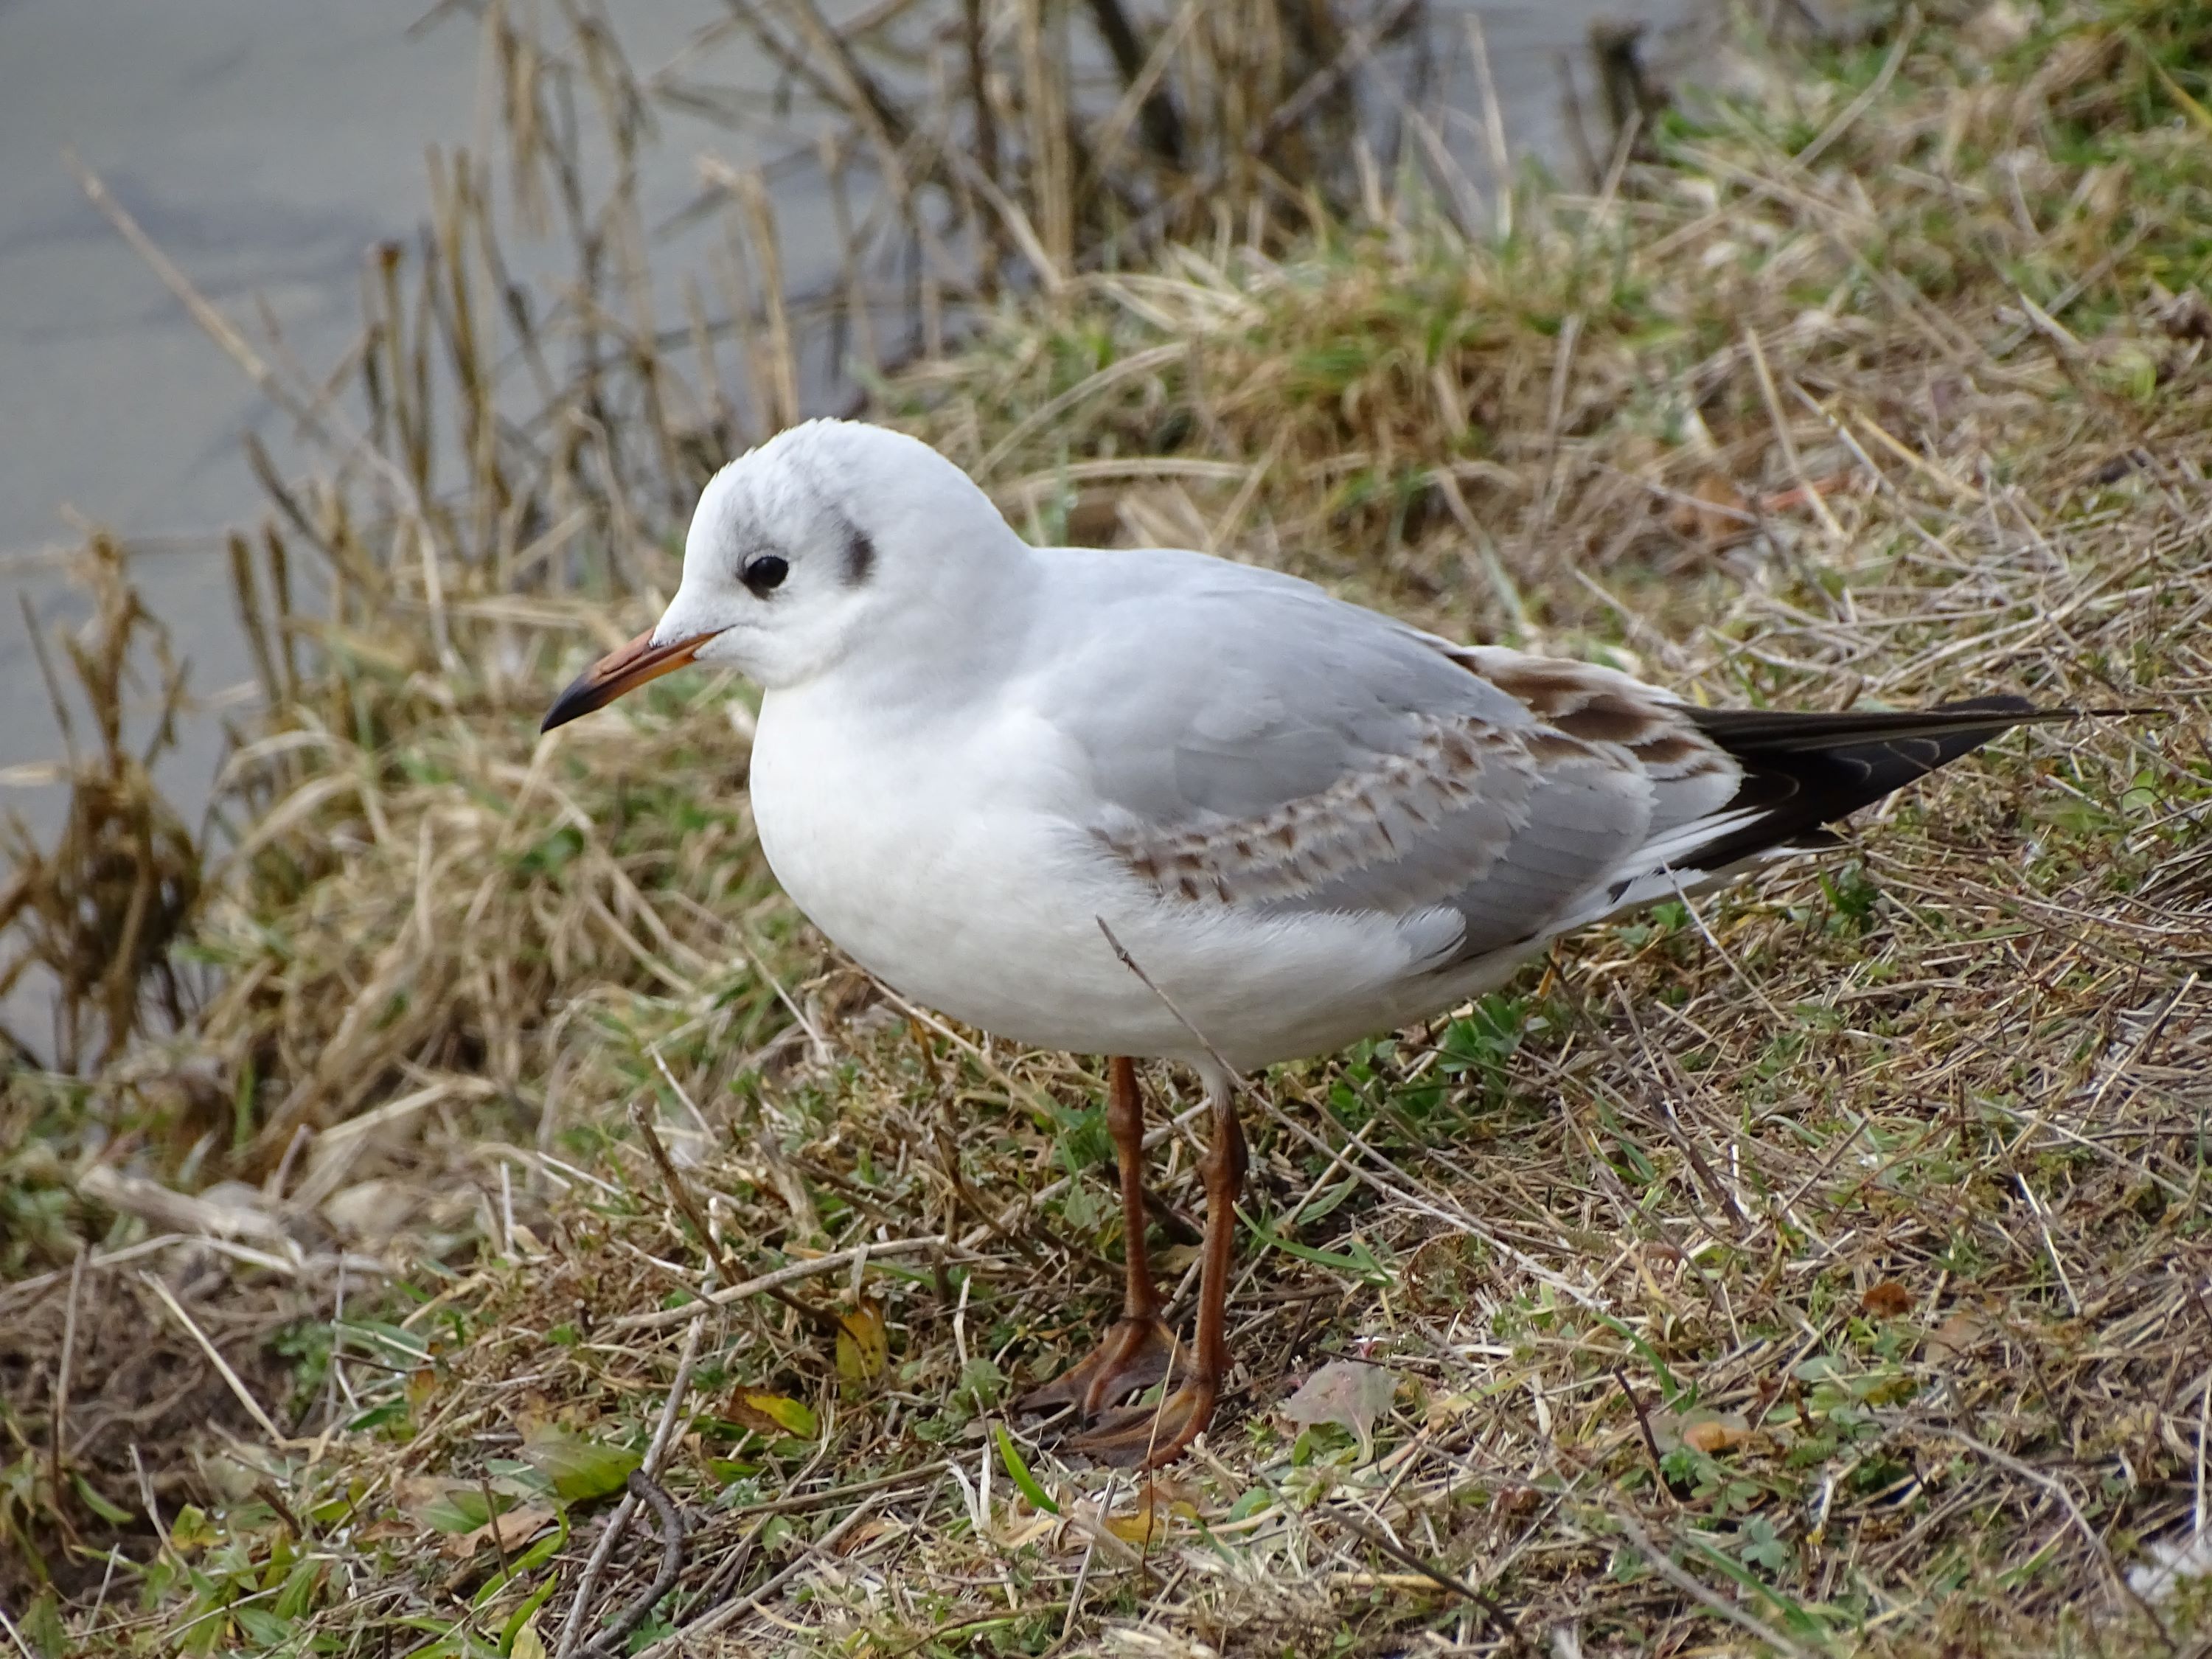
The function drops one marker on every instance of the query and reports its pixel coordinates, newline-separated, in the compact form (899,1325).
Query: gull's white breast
(949,854)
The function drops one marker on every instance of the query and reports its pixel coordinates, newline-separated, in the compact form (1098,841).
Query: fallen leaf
(1449,1408)
(1347,1393)
(775,1413)
(1156,1504)
(507,1533)
(1166,1489)
(528,1644)
(870,1532)
(578,1469)
(1887,1300)
(1957,1336)
(1039,1526)
(1701,1431)
(1723,1433)
(412,1491)
(453,1509)
(1134,1529)
(1175,1259)
(1088,1521)
(864,1344)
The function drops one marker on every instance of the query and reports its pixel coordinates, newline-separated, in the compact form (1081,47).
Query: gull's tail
(1802,772)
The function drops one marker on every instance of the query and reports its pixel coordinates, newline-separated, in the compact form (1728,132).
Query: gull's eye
(765,574)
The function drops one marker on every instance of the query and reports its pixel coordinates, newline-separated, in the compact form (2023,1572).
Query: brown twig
(1650,1440)
(643,1487)
(707,1624)
(580,1605)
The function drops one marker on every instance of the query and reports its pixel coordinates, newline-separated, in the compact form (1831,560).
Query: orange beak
(618,671)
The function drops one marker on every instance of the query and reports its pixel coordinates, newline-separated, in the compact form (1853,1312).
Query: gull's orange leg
(1138,1350)
(1147,1436)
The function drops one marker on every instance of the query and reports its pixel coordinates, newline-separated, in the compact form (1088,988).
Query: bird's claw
(1145,1438)
(1134,1354)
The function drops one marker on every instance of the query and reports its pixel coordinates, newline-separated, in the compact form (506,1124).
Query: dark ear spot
(860,556)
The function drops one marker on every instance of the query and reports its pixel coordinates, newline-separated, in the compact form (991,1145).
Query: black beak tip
(581,698)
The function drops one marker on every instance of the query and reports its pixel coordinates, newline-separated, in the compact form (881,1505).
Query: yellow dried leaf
(864,1344)
(774,1414)
(1148,1521)
(1723,1433)
(1133,1529)
(1707,1431)
(1038,1527)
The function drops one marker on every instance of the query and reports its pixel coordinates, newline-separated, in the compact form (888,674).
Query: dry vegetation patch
(1817,1267)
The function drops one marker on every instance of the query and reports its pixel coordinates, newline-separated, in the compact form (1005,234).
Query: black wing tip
(1803,771)
(1999,702)
(2026,710)
(1775,730)
(1743,731)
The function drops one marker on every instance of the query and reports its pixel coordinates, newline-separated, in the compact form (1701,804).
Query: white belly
(942,862)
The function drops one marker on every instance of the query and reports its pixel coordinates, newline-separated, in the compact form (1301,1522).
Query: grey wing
(1255,743)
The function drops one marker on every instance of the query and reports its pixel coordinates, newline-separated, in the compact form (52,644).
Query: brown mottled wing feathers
(1462,774)
(1283,752)
(1508,812)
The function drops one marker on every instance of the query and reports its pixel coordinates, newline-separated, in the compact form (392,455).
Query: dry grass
(101,909)
(1822,1269)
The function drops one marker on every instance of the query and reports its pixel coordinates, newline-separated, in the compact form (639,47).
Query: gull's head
(798,550)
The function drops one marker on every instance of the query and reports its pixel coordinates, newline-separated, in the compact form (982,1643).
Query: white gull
(1304,821)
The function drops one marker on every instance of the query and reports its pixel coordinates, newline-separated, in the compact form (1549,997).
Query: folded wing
(1282,751)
